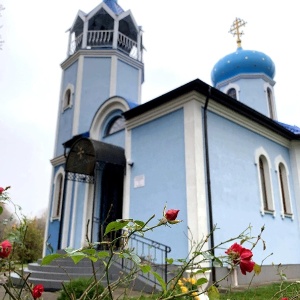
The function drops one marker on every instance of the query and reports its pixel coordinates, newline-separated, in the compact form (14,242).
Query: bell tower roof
(114,6)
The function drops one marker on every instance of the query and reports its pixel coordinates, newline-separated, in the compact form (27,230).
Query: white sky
(183,39)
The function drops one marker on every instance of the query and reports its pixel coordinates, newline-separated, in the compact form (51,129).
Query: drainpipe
(209,200)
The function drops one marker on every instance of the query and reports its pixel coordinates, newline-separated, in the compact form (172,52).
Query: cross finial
(235,30)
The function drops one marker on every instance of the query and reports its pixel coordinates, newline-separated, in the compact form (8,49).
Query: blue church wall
(235,189)
(66,116)
(117,138)
(158,154)
(95,89)
(127,73)
(52,240)
(53,226)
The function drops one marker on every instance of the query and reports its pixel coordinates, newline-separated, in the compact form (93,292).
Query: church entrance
(103,165)
(111,200)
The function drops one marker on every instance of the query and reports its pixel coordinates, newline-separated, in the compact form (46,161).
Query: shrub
(77,287)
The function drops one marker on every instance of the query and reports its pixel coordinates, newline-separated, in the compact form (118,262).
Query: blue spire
(114,6)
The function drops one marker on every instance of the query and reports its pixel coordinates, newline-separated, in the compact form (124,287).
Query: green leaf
(170,261)
(257,269)
(1,210)
(70,250)
(201,281)
(114,226)
(49,258)
(160,280)
(135,258)
(140,224)
(89,251)
(77,257)
(102,254)
(213,293)
(207,255)
(145,268)
(217,262)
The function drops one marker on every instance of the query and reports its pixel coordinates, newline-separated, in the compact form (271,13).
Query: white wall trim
(258,152)
(77,98)
(195,172)
(113,104)
(279,159)
(126,190)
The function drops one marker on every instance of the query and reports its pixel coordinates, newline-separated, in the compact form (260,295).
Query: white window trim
(64,105)
(233,86)
(279,160)
(107,108)
(273,108)
(258,153)
(60,172)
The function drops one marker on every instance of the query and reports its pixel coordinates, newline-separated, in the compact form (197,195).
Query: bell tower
(104,60)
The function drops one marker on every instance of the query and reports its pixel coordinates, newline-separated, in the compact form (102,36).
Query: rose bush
(193,287)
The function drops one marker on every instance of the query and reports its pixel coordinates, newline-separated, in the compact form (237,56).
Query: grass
(272,291)
(275,291)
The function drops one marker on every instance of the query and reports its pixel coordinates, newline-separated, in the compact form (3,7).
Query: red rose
(5,249)
(171,214)
(37,291)
(1,190)
(242,256)
(284,298)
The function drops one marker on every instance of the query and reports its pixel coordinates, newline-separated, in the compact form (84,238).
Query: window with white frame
(233,91)
(284,190)
(58,195)
(265,183)
(115,125)
(270,103)
(68,97)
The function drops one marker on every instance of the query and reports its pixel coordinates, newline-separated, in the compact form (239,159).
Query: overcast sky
(183,41)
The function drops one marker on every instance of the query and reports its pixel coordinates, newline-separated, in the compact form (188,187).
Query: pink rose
(5,249)
(1,190)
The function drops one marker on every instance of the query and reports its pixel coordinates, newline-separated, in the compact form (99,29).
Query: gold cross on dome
(235,30)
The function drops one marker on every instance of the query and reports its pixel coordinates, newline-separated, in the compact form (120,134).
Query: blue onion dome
(242,62)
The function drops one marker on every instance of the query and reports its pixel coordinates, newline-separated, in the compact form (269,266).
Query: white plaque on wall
(139,181)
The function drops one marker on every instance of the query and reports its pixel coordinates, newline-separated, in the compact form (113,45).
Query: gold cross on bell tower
(235,30)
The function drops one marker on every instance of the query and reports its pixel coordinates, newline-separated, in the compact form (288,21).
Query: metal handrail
(150,252)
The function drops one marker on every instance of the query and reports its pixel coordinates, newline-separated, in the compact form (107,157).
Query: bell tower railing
(96,39)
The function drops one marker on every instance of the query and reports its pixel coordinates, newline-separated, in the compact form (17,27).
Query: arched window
(67,99)
(270,103)
(265,183)
(232,93)
(284,190)
(116,124)
(58,194)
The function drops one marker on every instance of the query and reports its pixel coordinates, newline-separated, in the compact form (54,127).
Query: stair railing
(150,252)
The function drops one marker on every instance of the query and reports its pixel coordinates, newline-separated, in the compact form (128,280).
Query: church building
(216,152)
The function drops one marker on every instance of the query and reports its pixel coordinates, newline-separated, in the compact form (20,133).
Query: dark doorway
(111,199)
